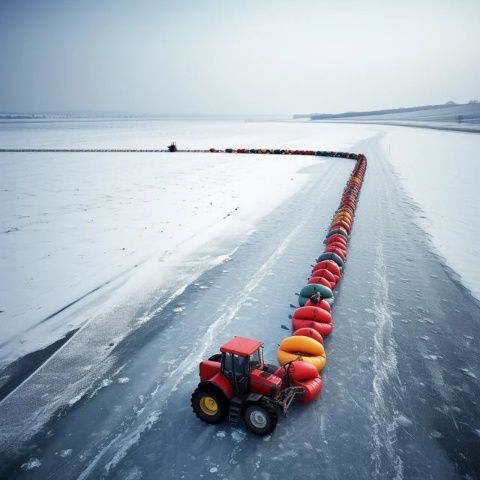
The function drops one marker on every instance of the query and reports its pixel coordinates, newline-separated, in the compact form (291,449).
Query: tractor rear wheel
(209,404)
(261,418)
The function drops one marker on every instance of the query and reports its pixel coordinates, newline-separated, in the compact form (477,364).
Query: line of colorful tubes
(312,321)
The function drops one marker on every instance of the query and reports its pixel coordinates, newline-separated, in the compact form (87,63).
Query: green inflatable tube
(331,256)
(340,232)
(330,300)
(303,300)
(312,288)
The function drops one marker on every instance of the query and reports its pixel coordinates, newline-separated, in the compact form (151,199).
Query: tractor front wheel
(209,404)
(261,418)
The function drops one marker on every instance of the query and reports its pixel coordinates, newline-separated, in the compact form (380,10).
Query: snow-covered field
(167,255)
(71,223)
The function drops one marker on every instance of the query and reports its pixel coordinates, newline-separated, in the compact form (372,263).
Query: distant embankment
(449,116)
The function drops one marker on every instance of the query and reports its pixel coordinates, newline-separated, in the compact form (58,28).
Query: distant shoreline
(450,128)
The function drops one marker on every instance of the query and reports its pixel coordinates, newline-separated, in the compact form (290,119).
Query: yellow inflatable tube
(299,347)
(342,214)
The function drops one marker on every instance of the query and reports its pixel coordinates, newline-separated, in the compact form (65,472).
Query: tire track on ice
(386,379)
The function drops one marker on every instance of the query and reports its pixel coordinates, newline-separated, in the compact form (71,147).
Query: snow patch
(31,464)
(238,435)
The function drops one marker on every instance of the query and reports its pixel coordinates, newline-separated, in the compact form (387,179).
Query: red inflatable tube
(335,245)
(309,332)
(337,241)
(312,388)
(340,252)
(321,281)
(303,375)
(349,202)
(316,314)
(326,274)
(330,248)
(337,224)
(324,329)
(321,304)
(338,245)
(329,265)
(337,238)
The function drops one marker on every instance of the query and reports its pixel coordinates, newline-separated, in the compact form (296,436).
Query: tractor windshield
(256,359)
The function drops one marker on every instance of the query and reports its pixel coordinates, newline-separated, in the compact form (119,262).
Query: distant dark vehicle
(172,147)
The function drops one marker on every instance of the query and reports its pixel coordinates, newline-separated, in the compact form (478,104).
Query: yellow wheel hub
(208,405)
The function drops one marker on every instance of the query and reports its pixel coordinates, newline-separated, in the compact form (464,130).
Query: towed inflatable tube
(343,214)
(330,247)
(316,314)
(336,238)
(324,329)
(337,251)
(337,225)
(303,300)
(304,375)
(313,288)
(322,281)
(326,274)
(343,218)
(329,265)
(330,301)
(338,245)
(348,208)
(309,332)
(335,241)
(321,304)
(311,387)
(302,348)
(341,223)
(339,231)
(331,256)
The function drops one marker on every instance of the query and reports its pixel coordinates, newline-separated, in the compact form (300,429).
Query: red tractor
(238,383)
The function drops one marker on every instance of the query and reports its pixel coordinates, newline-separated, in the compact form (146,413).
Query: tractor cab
(239,357)
(238,383)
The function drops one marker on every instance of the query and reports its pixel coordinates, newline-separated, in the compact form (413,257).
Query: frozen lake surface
(401,386)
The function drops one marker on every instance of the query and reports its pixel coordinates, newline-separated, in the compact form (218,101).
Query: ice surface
(391,398)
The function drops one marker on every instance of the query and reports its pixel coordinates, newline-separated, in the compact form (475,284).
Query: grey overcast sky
(236,56)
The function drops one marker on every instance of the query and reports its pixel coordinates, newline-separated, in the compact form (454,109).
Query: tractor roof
(241,346)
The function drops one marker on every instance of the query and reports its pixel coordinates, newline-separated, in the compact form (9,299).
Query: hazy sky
(236,56)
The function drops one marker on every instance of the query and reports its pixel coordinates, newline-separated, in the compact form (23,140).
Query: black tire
(260,418)
(209,404)
(216,358)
